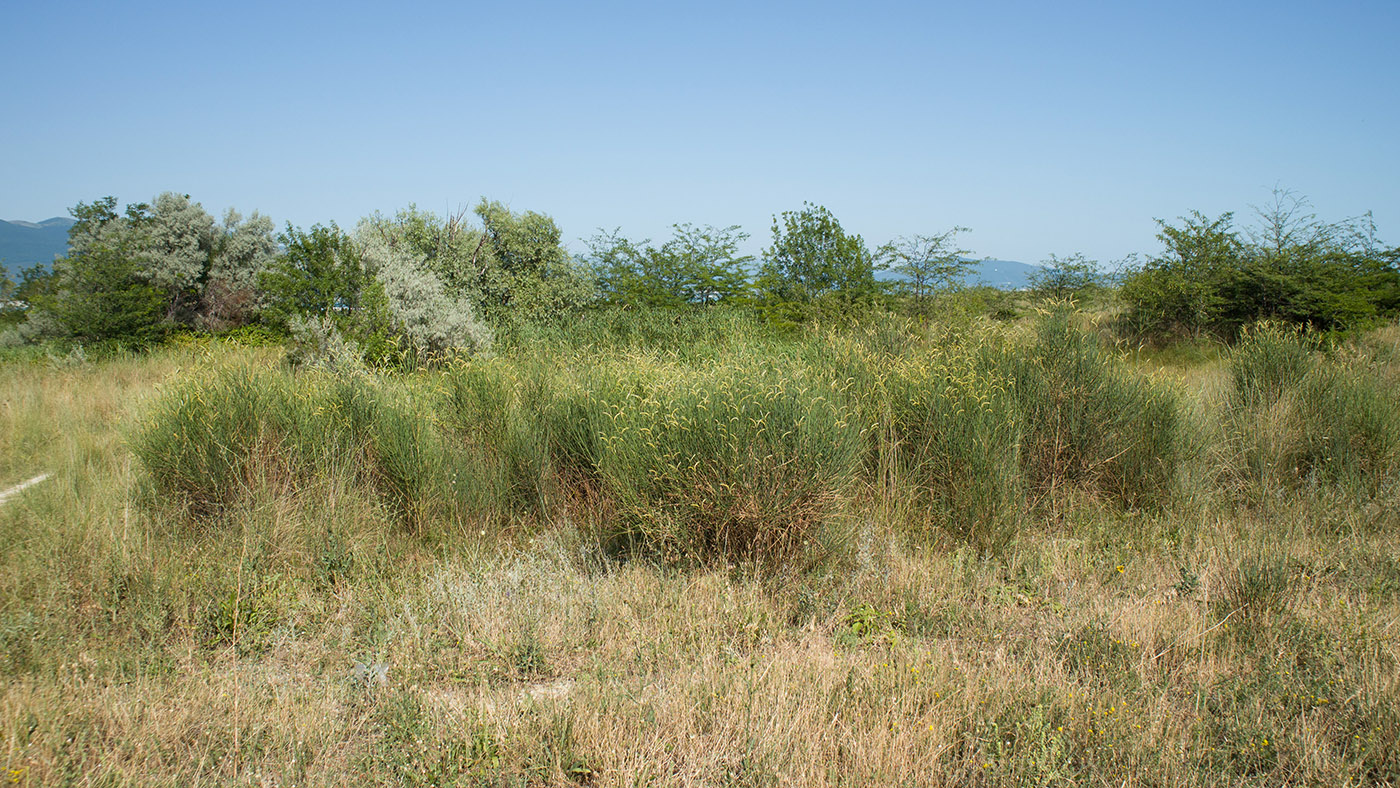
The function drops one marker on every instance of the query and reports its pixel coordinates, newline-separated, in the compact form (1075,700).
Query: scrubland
(666,549)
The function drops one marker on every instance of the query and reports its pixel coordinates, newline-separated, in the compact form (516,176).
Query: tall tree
(698,265)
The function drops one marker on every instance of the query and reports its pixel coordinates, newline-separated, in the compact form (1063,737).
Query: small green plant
(247,617)
(526,656)
(867,623)
(1189,583)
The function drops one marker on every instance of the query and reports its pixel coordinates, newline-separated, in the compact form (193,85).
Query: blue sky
(1044,127)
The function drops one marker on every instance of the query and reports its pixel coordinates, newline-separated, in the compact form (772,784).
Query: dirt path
(6,495)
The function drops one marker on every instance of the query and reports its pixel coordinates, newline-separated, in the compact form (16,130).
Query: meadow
(684,548)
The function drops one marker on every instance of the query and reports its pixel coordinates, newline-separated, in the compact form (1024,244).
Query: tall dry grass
(297,633)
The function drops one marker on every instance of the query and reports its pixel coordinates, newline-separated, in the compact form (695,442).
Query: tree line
(415,286)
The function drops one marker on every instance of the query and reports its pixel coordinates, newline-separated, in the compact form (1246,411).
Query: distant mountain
(1001,274)
(23,244)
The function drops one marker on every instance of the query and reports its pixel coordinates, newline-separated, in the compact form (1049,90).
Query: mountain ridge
(22,243)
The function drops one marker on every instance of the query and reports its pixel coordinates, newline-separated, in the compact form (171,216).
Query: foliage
(175,247)
(1291,267)
(1065,277)
(100,291)
(1087,423)
(1180,291)
(699,265)
(927,264)
(813,266)
(739,463)
(320,273)
(426,320)
(132,276)
(243,250)
(524,274)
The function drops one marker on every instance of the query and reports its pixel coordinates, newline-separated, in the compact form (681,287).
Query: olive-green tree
(699,265)
(1065,277)
(815,267)
(927,264)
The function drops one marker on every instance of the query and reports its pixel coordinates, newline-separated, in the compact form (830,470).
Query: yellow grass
(140,647)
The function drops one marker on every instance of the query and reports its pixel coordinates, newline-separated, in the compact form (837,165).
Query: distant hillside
(23,244)
(1001,274)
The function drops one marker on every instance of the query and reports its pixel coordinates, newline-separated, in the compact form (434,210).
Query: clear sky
(1046,127)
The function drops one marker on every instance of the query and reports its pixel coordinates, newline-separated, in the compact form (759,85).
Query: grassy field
(687,551)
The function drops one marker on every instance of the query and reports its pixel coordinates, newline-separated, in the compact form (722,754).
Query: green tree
(713,269)
(814,265)
(1180,289)
(617,265)
(523,274)
(100,291)
(175,245)
(243,250)
(928,264)
(699,265)
(1064,277)
(319,274)
(1292,267)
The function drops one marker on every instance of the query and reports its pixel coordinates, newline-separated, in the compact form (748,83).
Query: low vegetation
(432,502)
(702,547)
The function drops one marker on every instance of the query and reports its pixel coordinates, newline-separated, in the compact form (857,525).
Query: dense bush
(955,444)
(211,441)
(1088,423)
(733,462)
(1298,416)
(750,455)
(131,277)
(1291,267)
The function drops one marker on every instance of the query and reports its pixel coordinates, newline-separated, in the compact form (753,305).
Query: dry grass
(1210,643)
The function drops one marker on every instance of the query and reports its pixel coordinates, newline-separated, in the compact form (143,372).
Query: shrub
(399,452)
(505,454)
(955,442)
(731,463)
(1269,360)
(210,441)
(1088,423)
(1298,416)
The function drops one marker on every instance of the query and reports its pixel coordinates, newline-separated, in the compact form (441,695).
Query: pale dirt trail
(6,495)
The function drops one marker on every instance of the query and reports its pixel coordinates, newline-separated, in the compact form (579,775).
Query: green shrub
(210,441)
(1269,359)
(728,463)
(488,406)
(399,451)
(1088,423)
(1298,416)
(955,443)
